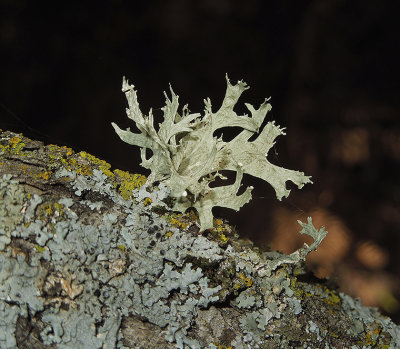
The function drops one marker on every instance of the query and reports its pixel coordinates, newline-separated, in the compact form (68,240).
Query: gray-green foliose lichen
(122,260)
(187,156)
(97,280)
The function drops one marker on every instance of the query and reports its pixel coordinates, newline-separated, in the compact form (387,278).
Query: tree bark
(94,258)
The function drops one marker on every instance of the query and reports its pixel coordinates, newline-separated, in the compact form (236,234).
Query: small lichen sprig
(187,157)
(298,255)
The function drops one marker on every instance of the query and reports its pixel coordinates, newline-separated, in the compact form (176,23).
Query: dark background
(330,66)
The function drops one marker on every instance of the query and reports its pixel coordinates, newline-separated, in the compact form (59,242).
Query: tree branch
(92,258)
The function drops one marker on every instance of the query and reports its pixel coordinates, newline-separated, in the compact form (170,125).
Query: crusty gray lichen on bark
(94,258)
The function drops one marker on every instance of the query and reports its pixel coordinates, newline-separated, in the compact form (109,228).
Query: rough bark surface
(92,258)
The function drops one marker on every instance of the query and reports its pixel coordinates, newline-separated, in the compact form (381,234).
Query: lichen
(144,289)
(15,146)
(12,199)
(187,157)
(127,182)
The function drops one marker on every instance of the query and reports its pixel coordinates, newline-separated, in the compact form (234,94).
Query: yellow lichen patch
(128,182)
(169,234)
(244,282)
(247,281)
(45,211)
(15,145)
(121,247)
(69,151)
(60,151)
(102,165)
(73,165)
(14,141)
(333,298)
(298,291)
(38,248)
(50,210)
(217,222)
(45,175)
(176,220)
(329,296)
(218,225)
(147,201)
(59,207)
(219,231)
(223,238)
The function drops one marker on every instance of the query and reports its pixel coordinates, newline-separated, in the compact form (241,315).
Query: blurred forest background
(330,66)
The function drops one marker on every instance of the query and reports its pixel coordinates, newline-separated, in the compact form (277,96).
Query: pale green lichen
(187,156)
(300,254)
